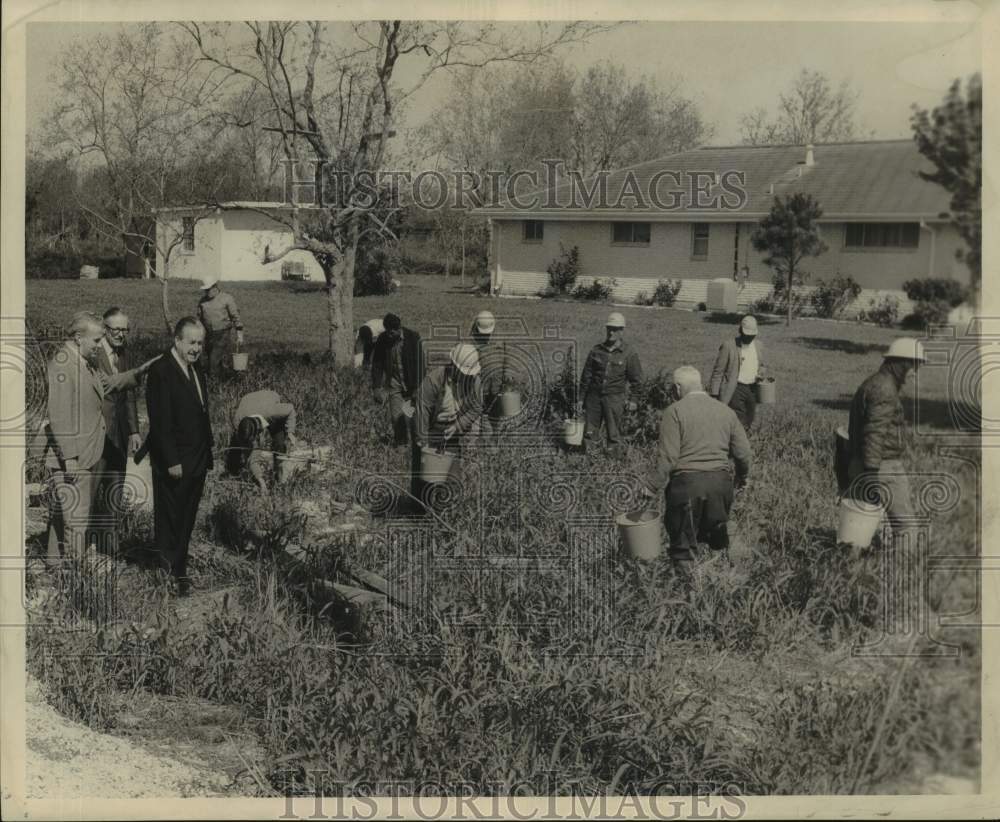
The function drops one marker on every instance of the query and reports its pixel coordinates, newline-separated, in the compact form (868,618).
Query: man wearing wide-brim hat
(738,366)
(876,431)
(218,312)
(611,367)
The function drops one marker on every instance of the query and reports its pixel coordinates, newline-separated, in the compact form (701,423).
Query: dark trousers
(609,409)
(744,403)
(697,510)
(216,349)
(110,495)
(175,506)
(401,425)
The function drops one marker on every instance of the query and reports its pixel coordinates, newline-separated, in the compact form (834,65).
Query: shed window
(630,233)
(882,235)
(188,233)
(699,240)
(534,231)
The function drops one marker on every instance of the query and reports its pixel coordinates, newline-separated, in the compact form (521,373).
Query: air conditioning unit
(722,296)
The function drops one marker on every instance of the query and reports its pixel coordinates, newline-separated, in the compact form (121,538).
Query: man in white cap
(698,438)
(875,436)
(738,366)
(217,311)
(610,368)
(448,405)
(495,366)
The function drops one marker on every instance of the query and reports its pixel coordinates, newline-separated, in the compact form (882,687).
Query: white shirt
(187,369)
(377,327)
(748,364)
(112,355)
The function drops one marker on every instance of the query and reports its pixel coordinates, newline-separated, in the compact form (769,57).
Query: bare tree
(812,111)
(623,121)
(335,101)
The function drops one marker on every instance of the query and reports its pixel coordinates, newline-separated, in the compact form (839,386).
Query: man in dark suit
(121,418)
(179,444)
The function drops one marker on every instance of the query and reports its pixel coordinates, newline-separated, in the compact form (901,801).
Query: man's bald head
(687,378)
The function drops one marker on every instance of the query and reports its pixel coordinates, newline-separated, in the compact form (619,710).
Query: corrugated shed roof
(876,179)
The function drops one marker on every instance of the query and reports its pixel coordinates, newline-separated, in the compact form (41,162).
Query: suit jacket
(180,431)
(412,360)
(725,374)
(75,428)
(120,413)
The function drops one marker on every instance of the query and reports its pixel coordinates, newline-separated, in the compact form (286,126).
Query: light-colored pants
(70,512)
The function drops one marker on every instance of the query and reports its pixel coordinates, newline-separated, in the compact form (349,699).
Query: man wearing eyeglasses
(121,416)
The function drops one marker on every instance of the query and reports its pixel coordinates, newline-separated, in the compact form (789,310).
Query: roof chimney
(810,160)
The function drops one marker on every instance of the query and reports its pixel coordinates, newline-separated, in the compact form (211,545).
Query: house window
(630,233)
(699,241)
(188,233)
(882,235)
(534,231)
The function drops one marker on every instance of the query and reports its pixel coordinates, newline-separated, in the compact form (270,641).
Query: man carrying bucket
(448,406)
(397,369)
(875,436)
(217,311)
(610,368)
(698,437)
(737,367)
(493,366)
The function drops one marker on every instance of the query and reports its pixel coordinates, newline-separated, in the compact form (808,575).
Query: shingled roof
(862,180)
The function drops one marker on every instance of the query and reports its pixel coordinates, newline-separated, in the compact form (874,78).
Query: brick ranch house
(882,223)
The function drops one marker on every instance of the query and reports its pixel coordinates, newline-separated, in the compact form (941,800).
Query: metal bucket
(857,522)
(640,534)
(435,466)
(573,432)
(766,391)
(240,362)
(510,403)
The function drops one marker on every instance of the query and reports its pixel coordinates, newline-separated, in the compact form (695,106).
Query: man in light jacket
(698,438)
(73,438)
(738,366)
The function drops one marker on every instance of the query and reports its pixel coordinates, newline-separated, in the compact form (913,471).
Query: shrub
(643,298)
(933,299)
(598,291)
(831,297)
(776,302)
(651,396)
(666,292)
(373,276)
(884,312)
(564,269)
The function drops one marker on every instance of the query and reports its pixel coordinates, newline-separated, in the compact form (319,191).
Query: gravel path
(66,759)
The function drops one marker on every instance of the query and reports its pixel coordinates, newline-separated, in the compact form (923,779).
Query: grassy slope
(766,652)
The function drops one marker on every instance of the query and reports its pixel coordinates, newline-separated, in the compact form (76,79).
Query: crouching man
(257,412)
(698,437)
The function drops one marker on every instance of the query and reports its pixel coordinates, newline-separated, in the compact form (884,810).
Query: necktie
(197,387)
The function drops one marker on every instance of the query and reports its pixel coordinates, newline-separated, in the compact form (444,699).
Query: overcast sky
(728,68)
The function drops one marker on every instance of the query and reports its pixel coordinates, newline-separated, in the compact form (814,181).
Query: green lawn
(750,681)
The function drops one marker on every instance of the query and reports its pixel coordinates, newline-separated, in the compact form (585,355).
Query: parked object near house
(883,224)
(89,272)
(722,296)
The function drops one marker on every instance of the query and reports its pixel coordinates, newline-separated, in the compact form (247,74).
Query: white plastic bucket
(857,522)
(240,362)
(573,432)
(510,403)
(640,534)
(434,466)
